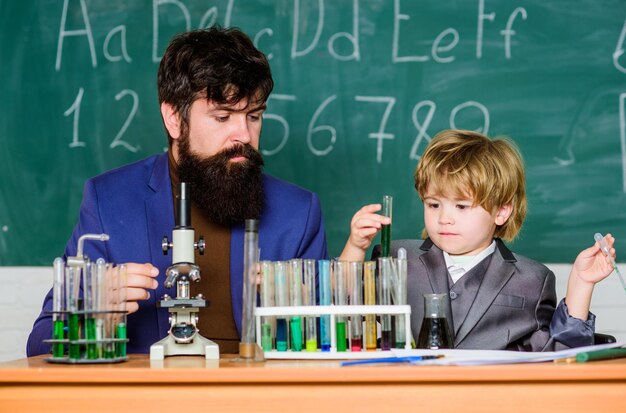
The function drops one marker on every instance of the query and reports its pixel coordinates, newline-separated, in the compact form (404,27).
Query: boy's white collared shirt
(458,266)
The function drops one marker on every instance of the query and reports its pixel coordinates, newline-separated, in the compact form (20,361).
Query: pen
(605,249)
(410,359)
(606,354)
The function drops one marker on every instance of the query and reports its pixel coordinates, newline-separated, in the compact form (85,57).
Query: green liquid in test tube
(295,300)
(341,297)
(58,326)
(89,292)
(72,282)
(310,332)
(267,300)
(386,229)
(120,316)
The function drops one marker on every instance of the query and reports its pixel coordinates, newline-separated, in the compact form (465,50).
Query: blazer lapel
(159,209)
(500,270)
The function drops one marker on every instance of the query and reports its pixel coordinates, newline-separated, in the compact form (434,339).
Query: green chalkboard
(361,87)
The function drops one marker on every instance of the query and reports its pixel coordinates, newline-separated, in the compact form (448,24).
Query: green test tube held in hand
(355,297)
(385,234)
(310,332)
(295,300)
(58,301)
(267,300)
(341,298)
(369,288)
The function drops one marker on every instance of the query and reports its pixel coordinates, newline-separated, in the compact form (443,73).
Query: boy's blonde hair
(462,163)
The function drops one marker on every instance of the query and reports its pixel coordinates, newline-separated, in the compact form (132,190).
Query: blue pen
(409,359)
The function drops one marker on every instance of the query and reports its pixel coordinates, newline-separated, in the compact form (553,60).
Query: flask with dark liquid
(435,332)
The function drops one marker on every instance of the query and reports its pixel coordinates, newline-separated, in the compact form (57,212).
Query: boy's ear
(503,213)
(171,120)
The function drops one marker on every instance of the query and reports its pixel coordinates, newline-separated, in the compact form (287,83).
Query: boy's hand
(364,226)
(592,265)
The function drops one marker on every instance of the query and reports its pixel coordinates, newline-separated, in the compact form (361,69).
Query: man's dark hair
(220,65)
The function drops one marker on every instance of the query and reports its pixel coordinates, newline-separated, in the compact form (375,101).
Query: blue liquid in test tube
(324,274)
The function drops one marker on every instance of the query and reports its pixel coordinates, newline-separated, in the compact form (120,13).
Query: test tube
(325,293)
(267,300)
(120,327)
(72,283)
(356,298)
(58,305)
(309,300)
(280,285)
(384,298)
(100,305)
(369,284)
(400,296)
(107,298)
(89,291)
(341,298)
(250,257)
(385,235)
(295,300)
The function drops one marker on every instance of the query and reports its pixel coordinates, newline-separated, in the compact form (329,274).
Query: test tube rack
(333,311)
(88,350)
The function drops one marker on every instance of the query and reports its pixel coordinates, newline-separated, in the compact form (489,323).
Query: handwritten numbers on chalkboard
(118,138)
(311,130)
(282,121)
(380,135)
(117,141)
(75,109)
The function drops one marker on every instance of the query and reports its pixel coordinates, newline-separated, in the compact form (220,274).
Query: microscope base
(199,346)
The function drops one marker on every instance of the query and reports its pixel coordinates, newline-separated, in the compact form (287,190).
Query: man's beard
(227,192)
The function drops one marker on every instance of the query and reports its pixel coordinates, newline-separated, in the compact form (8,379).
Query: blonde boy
(474,196)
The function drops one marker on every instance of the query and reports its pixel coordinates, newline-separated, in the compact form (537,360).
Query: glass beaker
(435,332)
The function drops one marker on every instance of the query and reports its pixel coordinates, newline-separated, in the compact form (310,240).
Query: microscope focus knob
(165,245)
(200,245)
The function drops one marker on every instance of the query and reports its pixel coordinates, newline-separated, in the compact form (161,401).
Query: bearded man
(213,85)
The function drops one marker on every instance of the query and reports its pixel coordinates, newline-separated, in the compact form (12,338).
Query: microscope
(183,337)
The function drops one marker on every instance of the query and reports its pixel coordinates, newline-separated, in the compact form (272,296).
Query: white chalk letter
(353,37)
(508,32)
(296,29)
(479,33)
(619,50)
(83,32)
(396,37)
(122,31)
(155,23)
